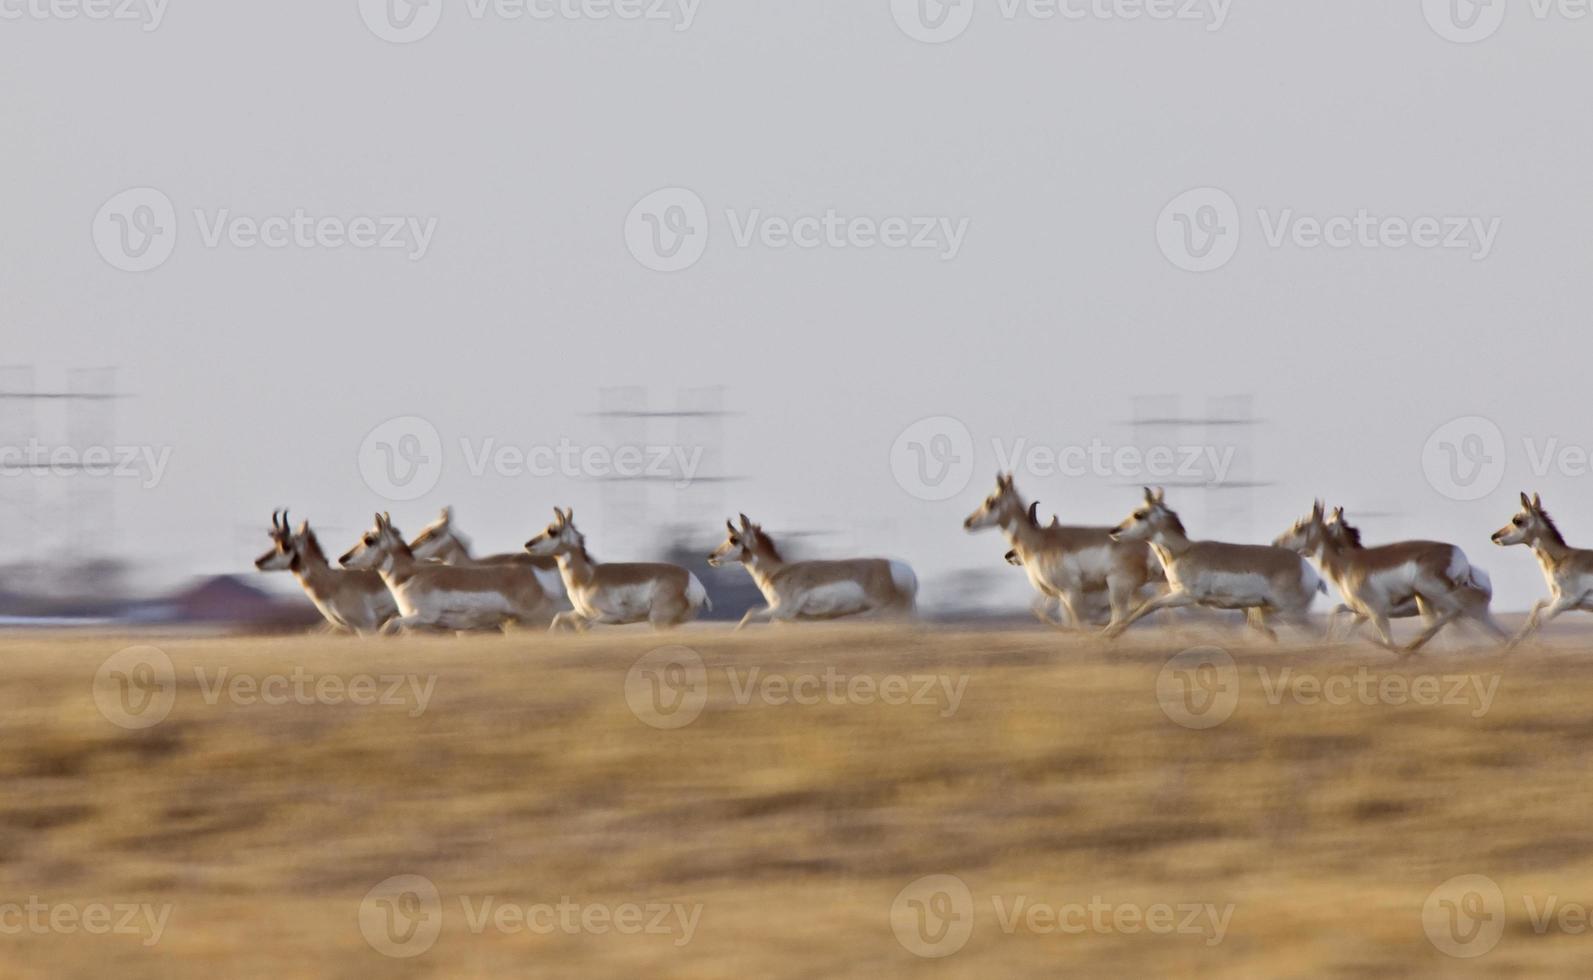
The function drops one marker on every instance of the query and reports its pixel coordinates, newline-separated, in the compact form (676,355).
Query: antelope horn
(1034,513)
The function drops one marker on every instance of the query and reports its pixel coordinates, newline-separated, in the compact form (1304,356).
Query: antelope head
(1149,520)
(559,538)
(377,548)
(1001,508)
(1308,534)
(438,540)
(1527,527)
(284,553)
(742,544)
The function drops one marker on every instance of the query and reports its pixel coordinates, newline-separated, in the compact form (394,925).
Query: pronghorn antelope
(354,601)
(613,593)
(1568,570)
(1266,582)
(1073,566)
(441,541)
(1379,584)
(814,589)
(448,597)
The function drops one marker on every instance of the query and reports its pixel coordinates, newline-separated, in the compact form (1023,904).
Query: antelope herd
(1101,579)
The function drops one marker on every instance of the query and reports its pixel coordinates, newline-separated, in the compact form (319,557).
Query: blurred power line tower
(54,510)
(1213,456)
(682,458)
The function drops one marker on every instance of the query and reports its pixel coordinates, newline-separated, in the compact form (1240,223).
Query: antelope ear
(569,515)
(378,521)
(1537,503)
(1004,480)
(304,529)
(1150,498)
(1317,509)
(1338,514)
(730,525)
(1526,501)
(447,515)
(1161,494)
(746,522)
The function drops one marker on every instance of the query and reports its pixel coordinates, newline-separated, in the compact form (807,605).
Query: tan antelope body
(433,596)
(1382,583)
(814,590)
(1266,582)
(442,541)
(354,601)
(616,593)
(1081,568)
(1567,570)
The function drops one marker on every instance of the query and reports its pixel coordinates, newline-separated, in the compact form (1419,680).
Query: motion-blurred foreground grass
(792,830)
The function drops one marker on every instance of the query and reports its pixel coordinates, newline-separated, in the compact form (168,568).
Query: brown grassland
(792,828)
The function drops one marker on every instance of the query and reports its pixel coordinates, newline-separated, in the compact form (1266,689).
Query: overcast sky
(1044,164)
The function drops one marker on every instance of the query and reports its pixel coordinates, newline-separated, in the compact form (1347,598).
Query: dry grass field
(1302,836)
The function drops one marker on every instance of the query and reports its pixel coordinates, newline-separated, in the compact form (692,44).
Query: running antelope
(1379,584)
(814,589)
(357,602)
(432,596)
(1568,570)
(1266,582)
(1076,567)
(613,593)
(441,541)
